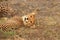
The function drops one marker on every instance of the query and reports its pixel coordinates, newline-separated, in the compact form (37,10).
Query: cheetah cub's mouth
(29,20)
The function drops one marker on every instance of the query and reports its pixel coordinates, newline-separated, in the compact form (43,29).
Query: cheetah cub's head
(29,19)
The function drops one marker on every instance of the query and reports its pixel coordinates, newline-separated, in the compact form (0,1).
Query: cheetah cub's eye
(31,16)
(30,21)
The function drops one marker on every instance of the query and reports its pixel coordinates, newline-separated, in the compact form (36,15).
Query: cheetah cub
(17,21)
(29,20)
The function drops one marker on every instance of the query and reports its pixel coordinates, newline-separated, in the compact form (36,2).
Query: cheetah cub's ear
(29,19)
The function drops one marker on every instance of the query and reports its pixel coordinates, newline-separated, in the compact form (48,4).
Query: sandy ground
(47,26)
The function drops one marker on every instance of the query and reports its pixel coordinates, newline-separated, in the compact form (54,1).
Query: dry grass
(47,26)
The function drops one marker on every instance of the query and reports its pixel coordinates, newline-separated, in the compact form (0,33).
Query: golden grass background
(47,26)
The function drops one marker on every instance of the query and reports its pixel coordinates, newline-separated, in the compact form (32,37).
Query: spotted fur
(17,21)
(6,10)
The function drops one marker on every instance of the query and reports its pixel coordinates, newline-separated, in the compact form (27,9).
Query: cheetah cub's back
(6,10)
(17,21)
